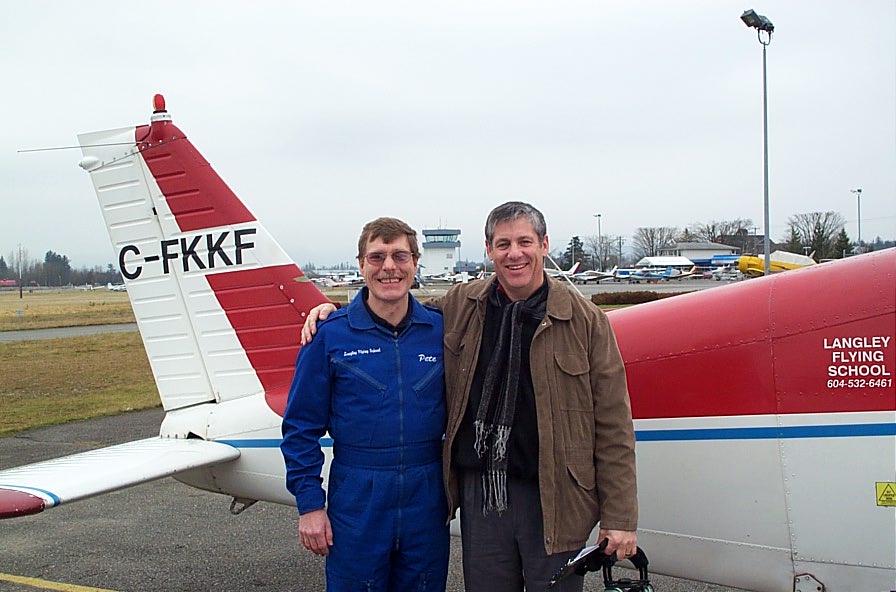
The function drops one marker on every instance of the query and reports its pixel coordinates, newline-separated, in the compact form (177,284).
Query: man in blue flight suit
(373,378)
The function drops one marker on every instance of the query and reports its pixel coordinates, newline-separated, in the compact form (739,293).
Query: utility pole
(20,271)
(858,193)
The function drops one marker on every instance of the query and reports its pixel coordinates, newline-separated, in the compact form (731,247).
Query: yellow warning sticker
(886,494)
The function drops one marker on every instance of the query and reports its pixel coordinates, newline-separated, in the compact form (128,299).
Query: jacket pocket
(575,402)
(454,346)
(583,474)
(580,502)
(454,343)
(573,380)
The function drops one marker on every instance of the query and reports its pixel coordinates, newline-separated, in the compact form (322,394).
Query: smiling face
(518,255)
(389,281)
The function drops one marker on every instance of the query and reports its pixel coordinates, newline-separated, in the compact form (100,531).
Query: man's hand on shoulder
(318,313)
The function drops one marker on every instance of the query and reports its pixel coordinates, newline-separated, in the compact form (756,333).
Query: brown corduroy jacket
(586,460)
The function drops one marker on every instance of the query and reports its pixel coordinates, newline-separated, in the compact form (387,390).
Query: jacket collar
(559,298)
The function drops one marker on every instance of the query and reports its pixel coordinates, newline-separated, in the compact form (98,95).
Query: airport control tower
(440,250)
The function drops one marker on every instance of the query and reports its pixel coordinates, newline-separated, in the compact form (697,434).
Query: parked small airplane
(726,273)
(754,266)
(567,273)
(346,280)
(593,275)
(116,287)
(781,479)
(654,275)
(449,278)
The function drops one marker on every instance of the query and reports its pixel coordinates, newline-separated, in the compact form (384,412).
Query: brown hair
(387,229)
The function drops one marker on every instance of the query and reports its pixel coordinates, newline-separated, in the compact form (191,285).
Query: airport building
(441,248)
(704,255)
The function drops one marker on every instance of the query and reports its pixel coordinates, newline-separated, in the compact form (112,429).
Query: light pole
(600,247)
(761,23)
(858,193)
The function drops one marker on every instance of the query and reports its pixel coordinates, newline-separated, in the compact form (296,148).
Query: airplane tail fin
(219,304)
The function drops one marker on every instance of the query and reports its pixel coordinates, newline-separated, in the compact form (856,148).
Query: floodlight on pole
(858,193)
(600,248)
(762,23)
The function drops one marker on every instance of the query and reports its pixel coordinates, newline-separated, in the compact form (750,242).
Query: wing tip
(15,503)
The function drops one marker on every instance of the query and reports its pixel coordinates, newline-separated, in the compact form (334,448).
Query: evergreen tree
(57,269)
(842,245)
(575,251)
(792,243)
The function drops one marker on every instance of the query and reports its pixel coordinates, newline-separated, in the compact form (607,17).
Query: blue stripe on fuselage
(694,434)
(768,433)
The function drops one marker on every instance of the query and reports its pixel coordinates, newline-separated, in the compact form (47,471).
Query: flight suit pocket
(362,411)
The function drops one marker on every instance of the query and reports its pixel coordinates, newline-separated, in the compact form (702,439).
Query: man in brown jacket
(539,444)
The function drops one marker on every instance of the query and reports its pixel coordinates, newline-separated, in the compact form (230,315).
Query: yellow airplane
(754,266)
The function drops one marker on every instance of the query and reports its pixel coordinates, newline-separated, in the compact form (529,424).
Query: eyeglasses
(378,258)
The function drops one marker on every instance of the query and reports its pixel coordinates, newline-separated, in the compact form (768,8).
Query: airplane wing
(30,489)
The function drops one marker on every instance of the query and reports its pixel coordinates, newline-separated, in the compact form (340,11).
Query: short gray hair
(510,211)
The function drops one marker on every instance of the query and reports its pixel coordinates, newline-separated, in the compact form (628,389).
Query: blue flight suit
(381,397)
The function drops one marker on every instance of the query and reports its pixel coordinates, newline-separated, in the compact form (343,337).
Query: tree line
(55,270)
(819,234)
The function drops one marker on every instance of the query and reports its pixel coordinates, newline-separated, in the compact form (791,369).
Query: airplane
(754,266)
(653,275)
(782,479)
(593,275)
(556,272)
(116,287)
(449,278)
(346,280)
(726,272)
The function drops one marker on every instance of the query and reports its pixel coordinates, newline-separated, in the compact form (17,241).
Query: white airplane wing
(32,488)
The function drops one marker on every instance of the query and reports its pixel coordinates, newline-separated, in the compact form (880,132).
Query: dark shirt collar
(397,329)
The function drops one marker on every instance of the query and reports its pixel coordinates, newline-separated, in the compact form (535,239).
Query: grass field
(43,309)
(54,381)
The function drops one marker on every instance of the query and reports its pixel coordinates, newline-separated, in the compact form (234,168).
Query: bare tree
(818,231)
(647,241)
(606,252)
(711,232)
(593,247)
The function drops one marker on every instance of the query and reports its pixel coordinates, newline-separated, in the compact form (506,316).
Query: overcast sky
(324,115)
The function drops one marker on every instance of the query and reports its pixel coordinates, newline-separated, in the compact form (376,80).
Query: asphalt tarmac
(166,536)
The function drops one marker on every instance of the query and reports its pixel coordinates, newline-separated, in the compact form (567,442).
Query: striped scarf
(494,416)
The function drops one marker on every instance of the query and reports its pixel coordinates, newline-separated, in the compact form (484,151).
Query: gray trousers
(506,553)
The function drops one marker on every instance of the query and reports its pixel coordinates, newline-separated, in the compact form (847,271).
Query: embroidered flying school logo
(361,352)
